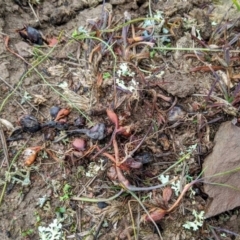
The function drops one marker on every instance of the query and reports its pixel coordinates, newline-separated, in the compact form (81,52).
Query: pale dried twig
(4,145)
(19,94)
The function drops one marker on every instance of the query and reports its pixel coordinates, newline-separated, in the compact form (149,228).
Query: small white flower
(52,232)
(198,222)
(164,179)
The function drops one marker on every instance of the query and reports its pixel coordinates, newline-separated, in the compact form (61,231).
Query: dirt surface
(132,115)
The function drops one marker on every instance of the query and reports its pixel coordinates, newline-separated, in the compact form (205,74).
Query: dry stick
(22,97)
(4,145)
(11,51)
(87,185)
(125,183)
(129,155)
(85,199)
(79,219)
(109,156)
(103,149)
(127,233)
(4,34)
(49,152)
(148,214)
(214,234)
(99,227)
(120,175)
(132,218)
(173,104)
(19,104)
(34,13)
(224,230)
(9,169)
(116,151)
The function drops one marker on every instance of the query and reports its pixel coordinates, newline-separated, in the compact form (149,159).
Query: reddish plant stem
(125,183)
(109,156)
(100,151)
(116,151)
(206,68)
(185,189)
(129,155)
(11,51)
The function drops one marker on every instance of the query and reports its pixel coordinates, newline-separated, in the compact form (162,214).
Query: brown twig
(22,97)
(4,145)
(6,42)
(34,13)
(52,155)
(185,189)
(206,68)
(130,155)
(97,230)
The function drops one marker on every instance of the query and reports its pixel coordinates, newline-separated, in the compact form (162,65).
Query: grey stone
(224,157)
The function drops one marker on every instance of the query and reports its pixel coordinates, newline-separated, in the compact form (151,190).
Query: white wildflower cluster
(175,185)
(52,232)
(125,71)
(94,167)
(198,221)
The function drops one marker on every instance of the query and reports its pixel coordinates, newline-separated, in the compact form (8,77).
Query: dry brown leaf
(156,214)
(167,193)
(39,99)
(113,117)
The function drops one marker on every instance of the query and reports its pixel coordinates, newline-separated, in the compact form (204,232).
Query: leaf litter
(148,121)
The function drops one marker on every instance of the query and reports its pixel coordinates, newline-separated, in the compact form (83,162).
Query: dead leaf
(167,193)
(7,124)
(39,99)
(62,113)
(113,117)
(52,42)
(30,155)
(99,79)
(156,214)
(223,158)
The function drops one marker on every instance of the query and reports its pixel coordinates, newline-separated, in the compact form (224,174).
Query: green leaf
(75,33)
(152,53)
(237,4)
(106,75)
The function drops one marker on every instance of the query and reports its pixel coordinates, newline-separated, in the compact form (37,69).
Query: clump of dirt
(107,117)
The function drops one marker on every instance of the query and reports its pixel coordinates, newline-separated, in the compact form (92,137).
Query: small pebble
(176,114)
(79,122)
(54,111)
(164,142)
(79,144)
(112,173)
(34,35)
(97,132)
(102,205)
(144,157)
(29,124)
